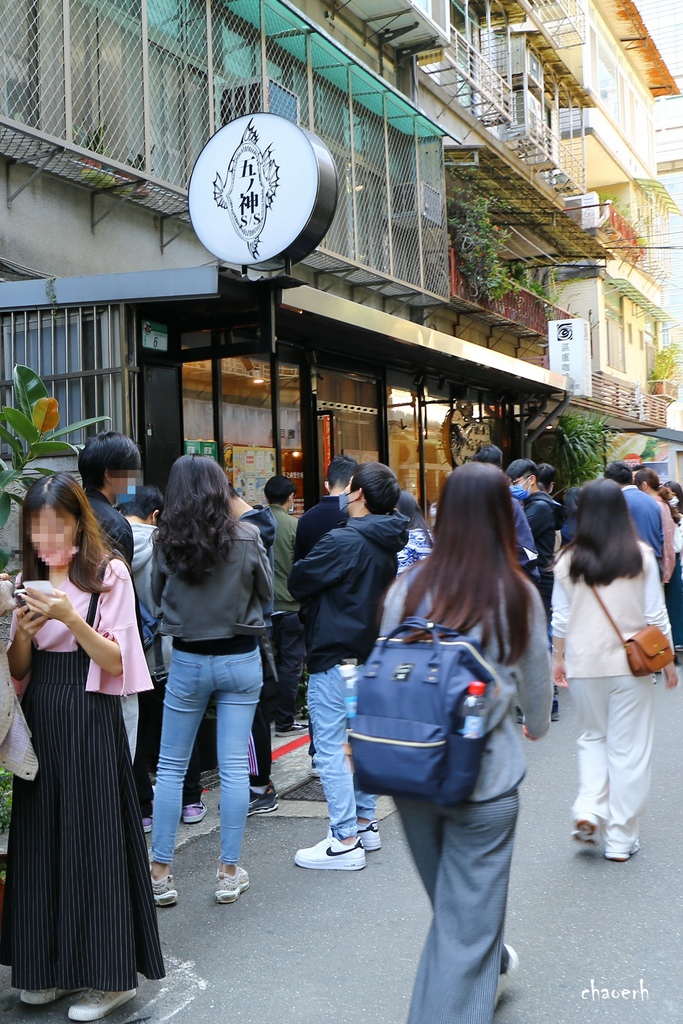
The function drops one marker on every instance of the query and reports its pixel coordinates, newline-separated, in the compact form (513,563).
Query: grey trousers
(463,856)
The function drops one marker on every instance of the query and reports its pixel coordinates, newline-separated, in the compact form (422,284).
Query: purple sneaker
(194,813)
(147,825)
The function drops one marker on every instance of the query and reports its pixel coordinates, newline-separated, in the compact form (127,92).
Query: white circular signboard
(262,191)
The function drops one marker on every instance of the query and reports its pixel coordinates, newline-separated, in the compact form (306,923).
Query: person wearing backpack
(142,513)
(340,585)
(472,582)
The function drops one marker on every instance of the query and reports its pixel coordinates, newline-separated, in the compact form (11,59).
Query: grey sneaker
(165,892)
(229,888)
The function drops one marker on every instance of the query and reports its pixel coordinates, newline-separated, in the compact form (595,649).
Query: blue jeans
(236,681)
(345,802)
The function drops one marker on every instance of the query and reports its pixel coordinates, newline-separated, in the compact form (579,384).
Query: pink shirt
(115,619)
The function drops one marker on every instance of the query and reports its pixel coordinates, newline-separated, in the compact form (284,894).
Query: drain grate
(311,789)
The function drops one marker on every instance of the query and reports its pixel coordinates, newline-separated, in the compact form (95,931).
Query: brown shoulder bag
(647,651)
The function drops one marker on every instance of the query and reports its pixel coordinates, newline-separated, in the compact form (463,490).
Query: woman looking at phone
(78,912)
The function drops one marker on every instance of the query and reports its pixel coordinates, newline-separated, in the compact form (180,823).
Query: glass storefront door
(348,419)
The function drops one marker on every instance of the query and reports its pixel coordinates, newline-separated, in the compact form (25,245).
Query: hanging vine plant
(478,243)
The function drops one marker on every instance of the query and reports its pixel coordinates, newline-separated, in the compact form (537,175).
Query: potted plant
(31,432)
(666,371)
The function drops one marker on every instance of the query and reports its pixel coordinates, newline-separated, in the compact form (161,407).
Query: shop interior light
(257,376)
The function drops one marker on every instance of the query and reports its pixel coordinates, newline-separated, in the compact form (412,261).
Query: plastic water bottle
(350,675)
(473,711)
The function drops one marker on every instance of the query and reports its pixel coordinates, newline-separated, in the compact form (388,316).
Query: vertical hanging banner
(569,352)
(263,192)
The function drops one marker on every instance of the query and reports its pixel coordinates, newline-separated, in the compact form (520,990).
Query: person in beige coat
(615,708)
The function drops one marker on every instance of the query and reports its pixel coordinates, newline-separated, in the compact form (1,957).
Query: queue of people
(129,620)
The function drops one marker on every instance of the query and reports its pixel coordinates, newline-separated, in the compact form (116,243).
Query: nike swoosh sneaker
(332,855)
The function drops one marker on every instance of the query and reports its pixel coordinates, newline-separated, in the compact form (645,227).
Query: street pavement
(597,941)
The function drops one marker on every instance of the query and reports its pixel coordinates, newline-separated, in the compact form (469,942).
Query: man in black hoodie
(340,584)
(545,516)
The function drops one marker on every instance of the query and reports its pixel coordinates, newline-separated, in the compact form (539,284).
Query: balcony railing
(472,81)
(520,311)
(539,145)
(563,20)
(629,400)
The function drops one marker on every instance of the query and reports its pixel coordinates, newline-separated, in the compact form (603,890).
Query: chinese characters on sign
(569,353)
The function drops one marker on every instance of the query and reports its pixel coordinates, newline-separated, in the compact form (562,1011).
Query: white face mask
(673,501)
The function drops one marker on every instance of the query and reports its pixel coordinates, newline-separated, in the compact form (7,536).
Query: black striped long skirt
(78,910)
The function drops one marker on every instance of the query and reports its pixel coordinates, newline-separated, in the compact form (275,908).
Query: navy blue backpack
(404,737)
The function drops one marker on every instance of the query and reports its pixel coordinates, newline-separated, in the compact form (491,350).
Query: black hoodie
(340,584)
(545,516)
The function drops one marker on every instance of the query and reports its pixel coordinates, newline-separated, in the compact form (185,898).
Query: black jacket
(115,526)
(545,516)
(340,584)
(315,523)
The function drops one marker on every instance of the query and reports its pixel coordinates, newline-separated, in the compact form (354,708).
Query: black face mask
(344,504)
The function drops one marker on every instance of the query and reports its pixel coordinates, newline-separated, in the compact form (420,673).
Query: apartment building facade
(376,344)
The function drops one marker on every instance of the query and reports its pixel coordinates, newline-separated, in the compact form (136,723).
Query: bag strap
(92,609)
(604,608)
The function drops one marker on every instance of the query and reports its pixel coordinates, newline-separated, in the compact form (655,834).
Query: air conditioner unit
(404,202)
(525,65)
(584,210)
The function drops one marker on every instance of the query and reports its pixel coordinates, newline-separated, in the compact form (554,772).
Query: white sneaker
(164,891)
(96,1004)
(504,979)
(42,996)
(369,836)
(331,854)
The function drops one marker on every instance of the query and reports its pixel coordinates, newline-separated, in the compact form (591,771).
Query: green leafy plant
(667,363)
(5,804)
(478,243)
(30,432)
(578,448)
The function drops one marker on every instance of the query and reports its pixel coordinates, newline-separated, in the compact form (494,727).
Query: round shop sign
(262,191)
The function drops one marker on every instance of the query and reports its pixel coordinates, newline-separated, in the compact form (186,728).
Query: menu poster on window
(249,469)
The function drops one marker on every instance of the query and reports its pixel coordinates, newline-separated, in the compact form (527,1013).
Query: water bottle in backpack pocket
(419,732)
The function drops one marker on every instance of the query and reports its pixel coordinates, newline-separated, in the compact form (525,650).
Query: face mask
(673,501)
(344,504)
(519,492)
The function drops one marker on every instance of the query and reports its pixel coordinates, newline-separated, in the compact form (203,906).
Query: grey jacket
(502,765)
(226,602)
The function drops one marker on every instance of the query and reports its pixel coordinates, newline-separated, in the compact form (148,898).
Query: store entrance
(348,418)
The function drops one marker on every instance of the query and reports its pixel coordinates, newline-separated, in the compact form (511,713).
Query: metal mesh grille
(135,103)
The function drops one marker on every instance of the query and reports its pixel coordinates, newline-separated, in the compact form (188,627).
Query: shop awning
(650,308)
(429,348)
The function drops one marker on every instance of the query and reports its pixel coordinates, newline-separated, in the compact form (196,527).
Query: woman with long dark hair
(472,583)
(672,494)
(211,578)
(78,910)
(419,535)
(607,563)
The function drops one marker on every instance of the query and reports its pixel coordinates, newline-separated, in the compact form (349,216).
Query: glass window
(438,426)
(290,431)
(198,405)
(404,448)
(608,83)
(616,356)
(348,405)
(248,448)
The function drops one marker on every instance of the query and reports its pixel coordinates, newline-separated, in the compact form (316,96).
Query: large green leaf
(5,508)
(8,476)
(79,425)
(20,424)
(28,388)
(41,448)
(10,439)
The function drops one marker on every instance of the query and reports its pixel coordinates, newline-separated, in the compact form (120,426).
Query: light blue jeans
(345,802)
(236,681)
